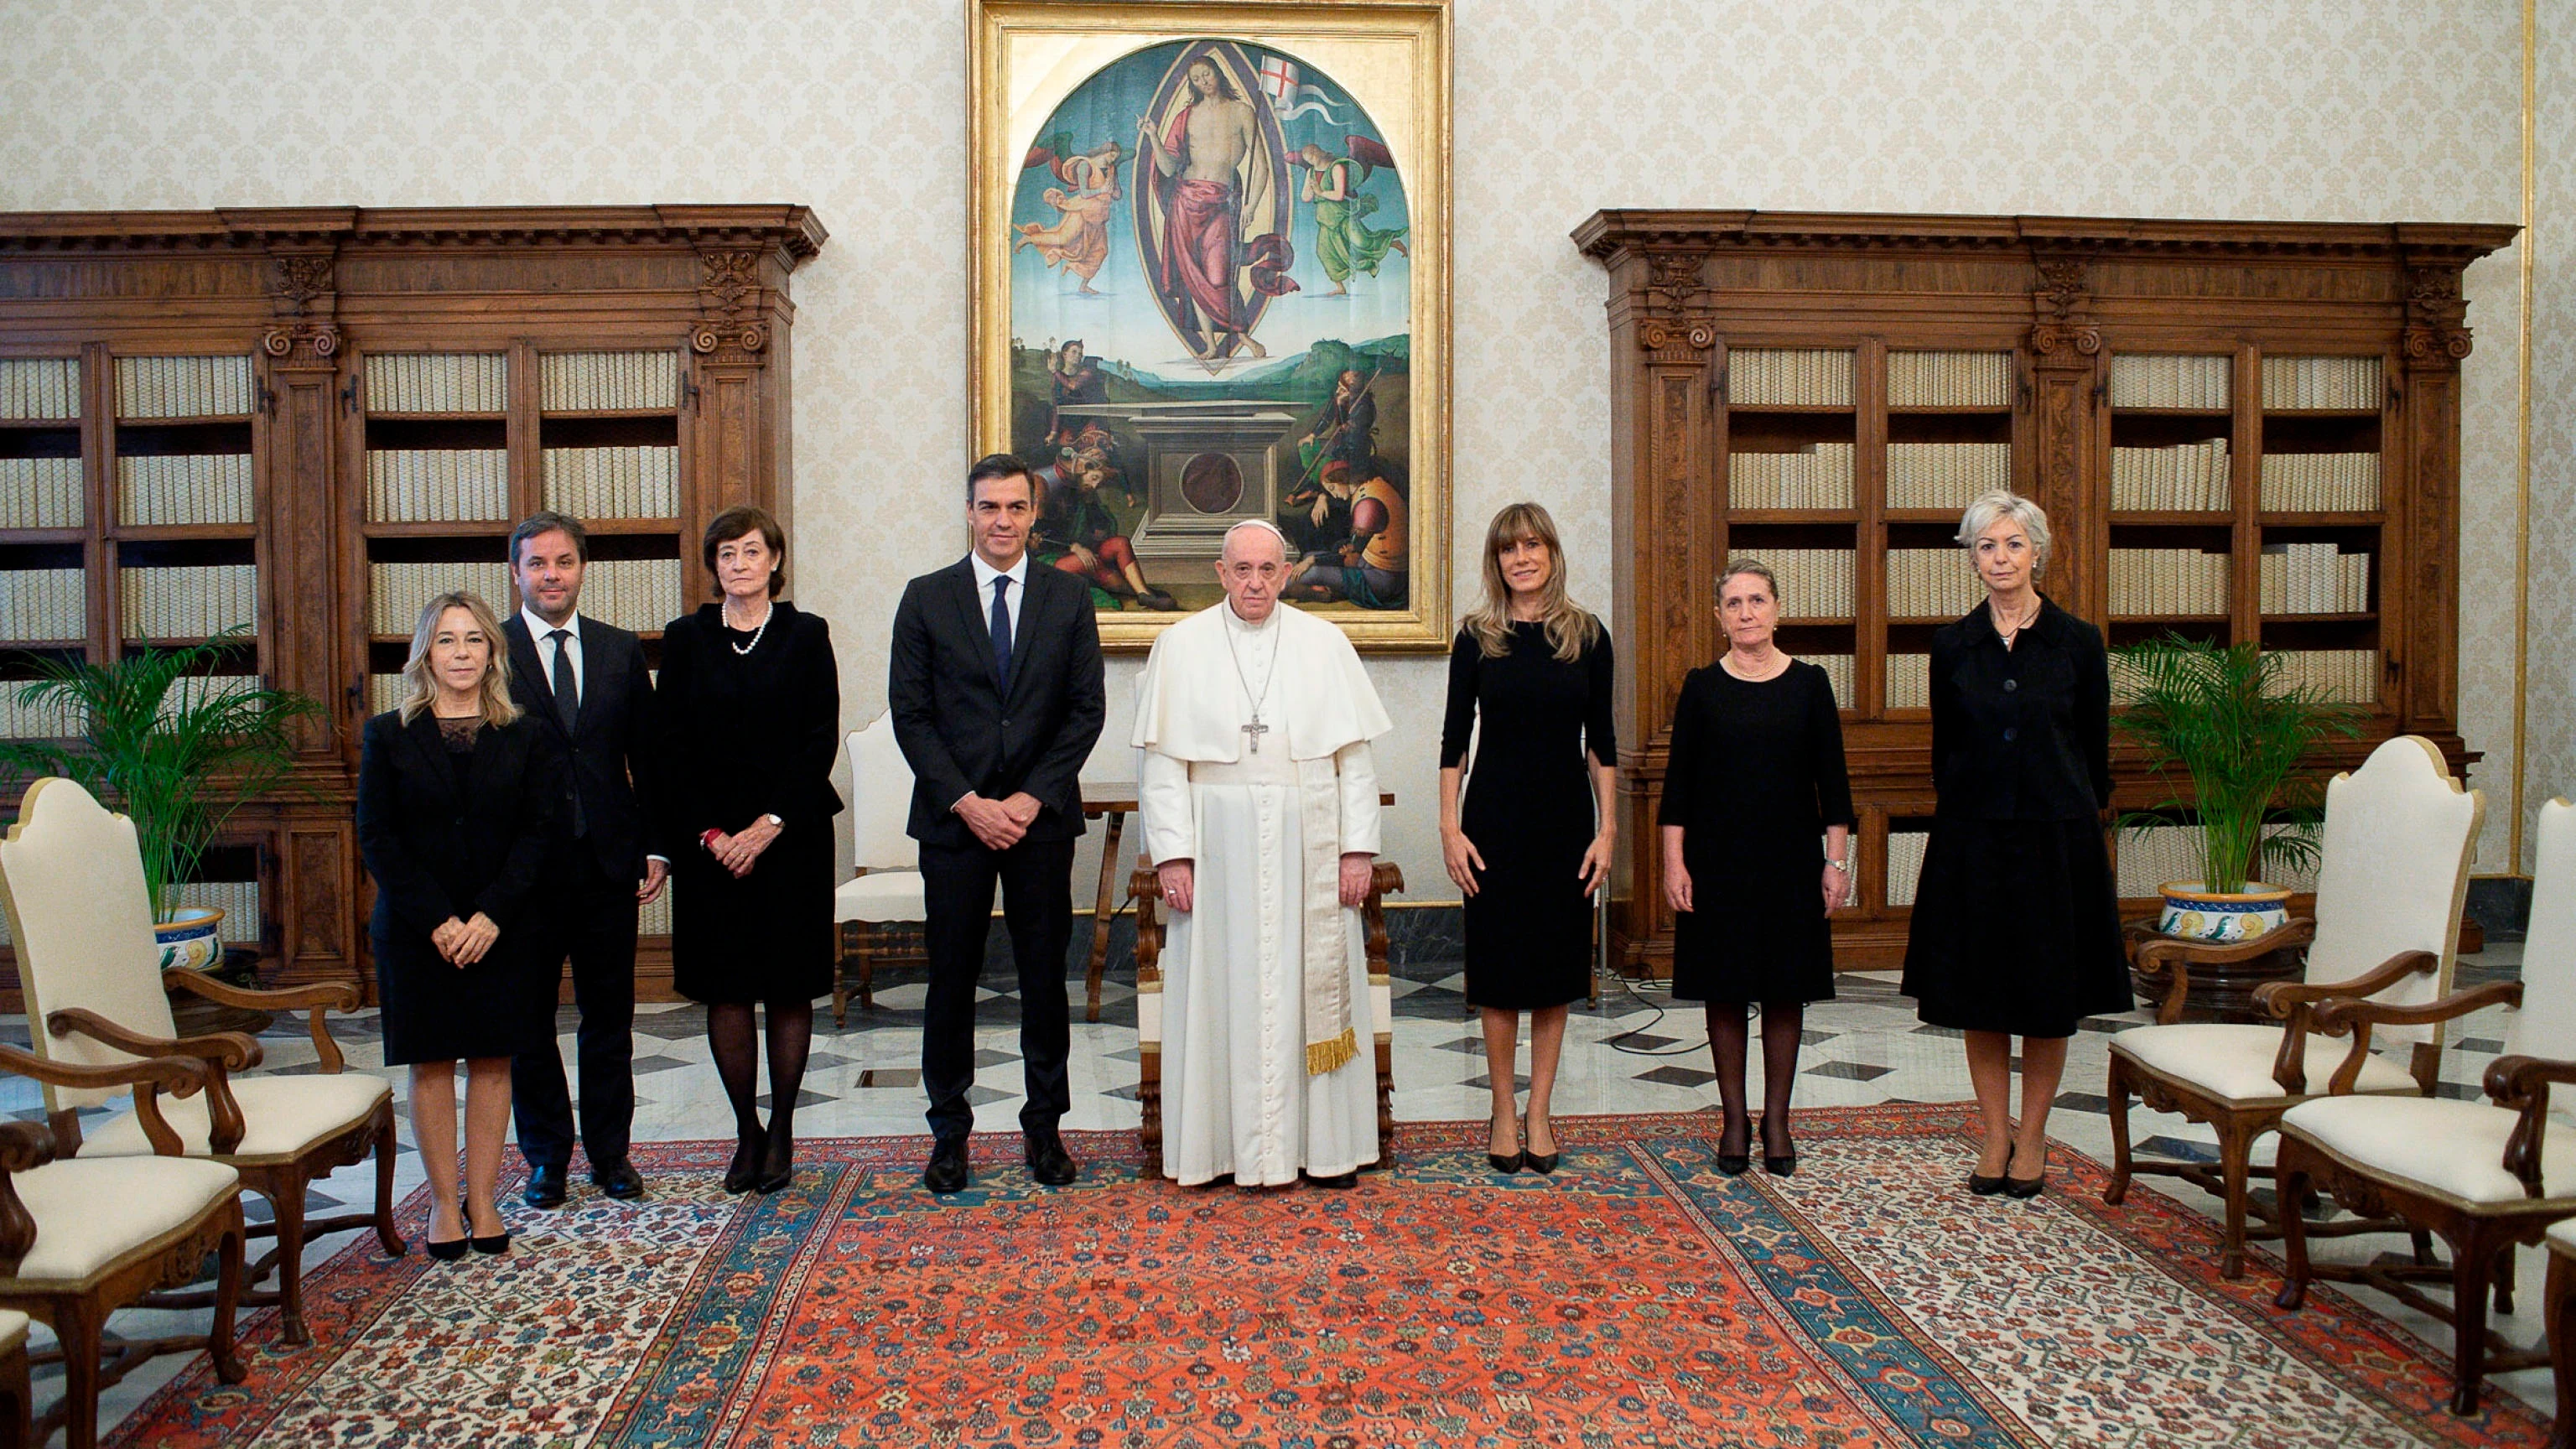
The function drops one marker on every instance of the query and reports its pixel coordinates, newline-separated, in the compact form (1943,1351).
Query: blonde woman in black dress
(1755,778)
(1530,677)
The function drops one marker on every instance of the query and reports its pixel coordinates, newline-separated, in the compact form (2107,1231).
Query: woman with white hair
(2016,928)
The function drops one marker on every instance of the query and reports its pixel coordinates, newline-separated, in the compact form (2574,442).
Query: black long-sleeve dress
(1529,811)
(1755,775)
(747,735)
(2016,924)
(453,822)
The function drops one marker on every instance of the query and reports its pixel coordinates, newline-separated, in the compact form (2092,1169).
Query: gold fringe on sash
(1327,1056)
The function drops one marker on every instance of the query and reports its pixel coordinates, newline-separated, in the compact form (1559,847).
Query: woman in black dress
(1755,779)
(456,793)
(1530,673)
(2016,928)
(751,715)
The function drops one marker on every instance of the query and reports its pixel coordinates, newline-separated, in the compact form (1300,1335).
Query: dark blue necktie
(1002,631)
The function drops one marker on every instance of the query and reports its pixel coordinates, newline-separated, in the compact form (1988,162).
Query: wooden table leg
(1102,911)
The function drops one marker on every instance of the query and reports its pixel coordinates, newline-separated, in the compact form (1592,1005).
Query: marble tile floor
(1637,1052)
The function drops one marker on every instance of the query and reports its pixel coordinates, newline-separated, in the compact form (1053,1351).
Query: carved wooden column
(2065,350)
(299,547)
(2420,649)
(736,439)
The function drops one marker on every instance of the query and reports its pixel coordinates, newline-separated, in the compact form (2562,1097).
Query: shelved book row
(655,919)
(625,482)
(639,594)
(2180,581)
(397,592)
(2349,675)
(1789,377)
(1815,583)
(1838,673)
(437,382)
(1930,583)
(189,601)
(2313,578)
(40,389)
(179,488)
(23,717)
(2185,477)
(1945,475)
(1949,379)
(609,381)
(1909,681)
(438,485)
(2153,855)
(44,604)
(183,387)
(2170,380)
(2320,482)
(2345,384)
(197,689)
(1818,476)
(42,493)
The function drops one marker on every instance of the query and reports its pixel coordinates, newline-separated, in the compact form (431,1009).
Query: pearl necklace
(755,634)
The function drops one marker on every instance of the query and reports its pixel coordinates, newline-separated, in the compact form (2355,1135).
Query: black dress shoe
(744,1170)
(947,1170)
(1049,1163)
(545,1186)
(1542,1163)
(496,1244)
(777,1161)
(1505,1162)
(2027,1187)
(1779,1164)
(621,1182)
(1337,1180)
(447,1252)
(1984,1186)
(1735,1164)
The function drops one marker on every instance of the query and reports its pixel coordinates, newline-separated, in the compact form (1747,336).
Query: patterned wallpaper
(2289,109)
(2551,681)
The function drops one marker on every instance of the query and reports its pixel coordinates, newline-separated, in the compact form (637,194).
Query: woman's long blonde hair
(1570,630)
(498,707)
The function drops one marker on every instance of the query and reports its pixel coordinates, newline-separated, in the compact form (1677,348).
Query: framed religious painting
(1211,284)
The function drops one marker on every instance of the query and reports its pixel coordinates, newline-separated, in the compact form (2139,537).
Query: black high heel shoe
(2026,1188)
(447,1252)
(745,1169)
(1503,1162)
(495,1245)
(1780,1164)
(1735,1164)
(1542,1163)
(777,1161)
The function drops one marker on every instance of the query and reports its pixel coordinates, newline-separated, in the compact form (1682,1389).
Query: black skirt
(431,1010)
(2016,928)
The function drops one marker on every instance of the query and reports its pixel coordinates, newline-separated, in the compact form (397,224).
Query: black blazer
(2021,733)
(954,724)
(437,851)
(612,744)
(732,761)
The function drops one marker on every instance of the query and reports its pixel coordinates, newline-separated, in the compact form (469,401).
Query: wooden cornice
(1606,233)
(793,230)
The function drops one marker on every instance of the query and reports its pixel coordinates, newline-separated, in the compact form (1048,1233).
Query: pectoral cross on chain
(1253,732)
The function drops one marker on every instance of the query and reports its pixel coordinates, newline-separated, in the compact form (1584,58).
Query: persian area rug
(1636,1298)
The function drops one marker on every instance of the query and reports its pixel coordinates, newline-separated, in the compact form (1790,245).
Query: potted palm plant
(177,749)
(2225,732)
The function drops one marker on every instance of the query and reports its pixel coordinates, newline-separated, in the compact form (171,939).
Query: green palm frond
(2226,722)
(176,749)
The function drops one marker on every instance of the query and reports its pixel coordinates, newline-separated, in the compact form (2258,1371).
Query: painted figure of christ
(1209,164)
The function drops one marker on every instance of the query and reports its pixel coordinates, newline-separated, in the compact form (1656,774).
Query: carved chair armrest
(23,1147)
(2338,1014)
(2521,1084)
(230,1050)
(2172,957)
(1385,877)
(314,1000)
(2293,1001)
(1145,889)
(147,1076)
(222,1052)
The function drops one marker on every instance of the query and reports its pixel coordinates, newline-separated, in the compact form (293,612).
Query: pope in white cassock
(1260,806)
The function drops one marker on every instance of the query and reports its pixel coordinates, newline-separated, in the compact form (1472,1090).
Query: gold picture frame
(1211,282)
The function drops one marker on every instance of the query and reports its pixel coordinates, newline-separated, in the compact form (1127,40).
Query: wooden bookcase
(339,411)
(2196,404)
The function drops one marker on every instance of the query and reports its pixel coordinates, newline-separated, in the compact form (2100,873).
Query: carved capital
(1675,325)
(2065,285)
(2051,342)
(302,344)
(301,277)
(2436,347)
(730,295)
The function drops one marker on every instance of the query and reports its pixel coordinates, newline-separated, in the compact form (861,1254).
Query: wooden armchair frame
(78,1309)
(1145,889)
(2481,1236)
(2240,1121)
(283,1180)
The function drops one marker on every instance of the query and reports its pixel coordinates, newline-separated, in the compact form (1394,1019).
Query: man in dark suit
(586,681)
(997,699)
